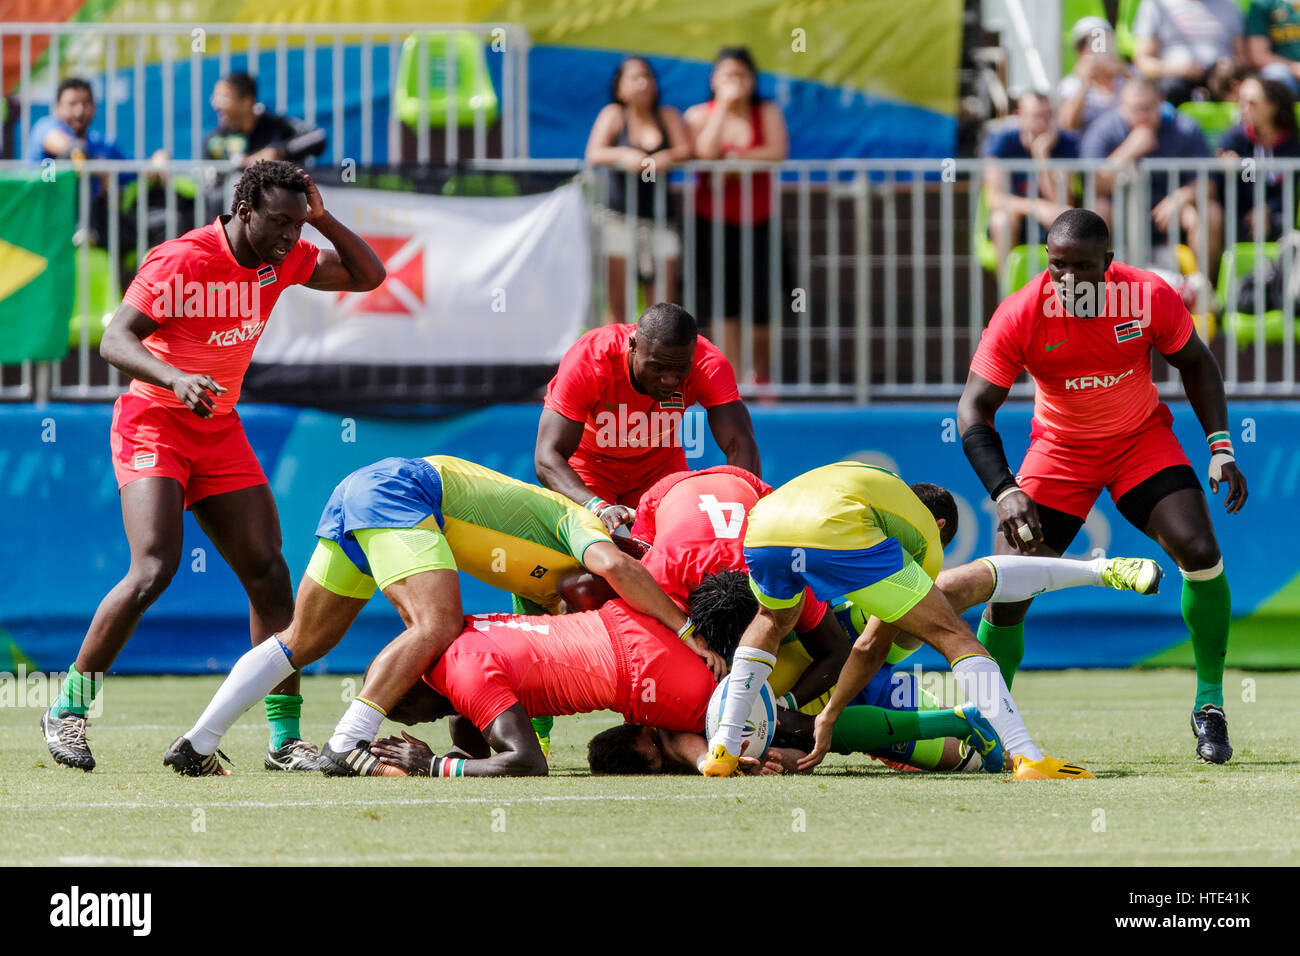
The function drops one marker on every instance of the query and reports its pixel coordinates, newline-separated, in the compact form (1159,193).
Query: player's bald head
(667,325)
(1079,227)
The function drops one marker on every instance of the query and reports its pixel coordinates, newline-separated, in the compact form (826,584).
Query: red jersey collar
(219,224)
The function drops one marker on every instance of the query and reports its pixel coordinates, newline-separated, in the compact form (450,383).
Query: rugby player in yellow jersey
(405,526)
(859,531)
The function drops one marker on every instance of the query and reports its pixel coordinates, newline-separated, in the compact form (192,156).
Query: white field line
(406,802)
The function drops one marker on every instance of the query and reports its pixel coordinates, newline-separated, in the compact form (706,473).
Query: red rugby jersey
(626,432)
(1092,376)
(212,310)
(695,522)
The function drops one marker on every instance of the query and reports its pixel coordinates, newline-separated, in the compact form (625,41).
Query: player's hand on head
(1018,521)
(315,205)
(412,755)
(714,662)
(198,392)
(1229,472)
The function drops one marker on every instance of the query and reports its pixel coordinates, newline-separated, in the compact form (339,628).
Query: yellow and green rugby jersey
(512,535)
(847,506)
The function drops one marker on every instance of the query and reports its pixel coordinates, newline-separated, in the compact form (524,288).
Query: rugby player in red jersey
(1084,330)
(613,421)
(185,334)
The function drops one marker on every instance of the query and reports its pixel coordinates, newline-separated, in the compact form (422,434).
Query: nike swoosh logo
(888,726)
(1048,348)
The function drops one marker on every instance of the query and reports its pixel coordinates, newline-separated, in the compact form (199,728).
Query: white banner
(470,280)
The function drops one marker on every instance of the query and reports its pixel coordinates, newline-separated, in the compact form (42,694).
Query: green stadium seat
(1124,39)
(1214,119)
(985,251)
(1023,262)
(1239,261)
(473,92)
(101,307)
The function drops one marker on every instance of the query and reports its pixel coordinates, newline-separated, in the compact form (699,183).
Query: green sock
(1207,609)
(543,725)
(863,727)
(283,712)
(1005,644)
(78,693)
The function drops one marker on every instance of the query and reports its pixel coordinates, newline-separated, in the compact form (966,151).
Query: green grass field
(1154,803)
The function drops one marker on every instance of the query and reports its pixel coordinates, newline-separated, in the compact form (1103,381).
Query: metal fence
(870,270)
(337,69)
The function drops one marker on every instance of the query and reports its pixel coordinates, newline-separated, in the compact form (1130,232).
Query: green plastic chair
(1239,261)
(1072,11)
(101,307)
(1214,119)
(474,90)
(985,251)
(1022,263)
(495,185)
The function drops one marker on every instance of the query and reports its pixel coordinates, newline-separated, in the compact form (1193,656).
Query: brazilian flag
(37,221)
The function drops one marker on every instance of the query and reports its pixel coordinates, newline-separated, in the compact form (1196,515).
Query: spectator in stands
(1267,130)
(1178,42)
(634,133)
(1033,135)
(1093,86)
(1142,126)
(248,133)
(1273,41)
(736,123)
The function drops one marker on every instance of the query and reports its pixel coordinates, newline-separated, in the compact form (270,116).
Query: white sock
(1018,578)
(980,680)
(360,722)
(750,666)
(252,678)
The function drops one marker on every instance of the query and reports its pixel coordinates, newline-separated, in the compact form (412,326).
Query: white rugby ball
(759,728)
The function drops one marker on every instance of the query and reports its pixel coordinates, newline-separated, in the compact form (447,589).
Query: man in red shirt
(1084,330)
(613,421)
(504,667)
(185,334)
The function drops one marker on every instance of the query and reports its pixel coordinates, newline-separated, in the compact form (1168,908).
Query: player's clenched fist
(197,392)
(1018,520)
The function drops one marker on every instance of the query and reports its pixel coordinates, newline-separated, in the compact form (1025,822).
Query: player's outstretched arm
(557,439)
(733,430)
(1203,385)
(123,348)
(865,659)
(511,736)
(353,265)
(1017,514)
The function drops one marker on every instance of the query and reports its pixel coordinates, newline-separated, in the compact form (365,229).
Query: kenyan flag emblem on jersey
(676,401)
(1128,330)
(265,275)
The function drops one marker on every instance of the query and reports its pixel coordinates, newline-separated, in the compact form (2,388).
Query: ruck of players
(622,568)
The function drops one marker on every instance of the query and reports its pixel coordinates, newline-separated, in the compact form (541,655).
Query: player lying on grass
(404,526)
(504,667)
(177,441)
(859,531)
(1085,329)
(893,718)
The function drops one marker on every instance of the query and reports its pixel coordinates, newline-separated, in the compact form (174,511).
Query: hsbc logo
(1095,381)
(237,336)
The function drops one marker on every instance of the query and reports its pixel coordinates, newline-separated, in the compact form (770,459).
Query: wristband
(1220,443)
(447,767)
(787,701)
(595,503)
(1004,493)
(686,630)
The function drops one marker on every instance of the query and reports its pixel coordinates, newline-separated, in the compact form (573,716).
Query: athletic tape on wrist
(687,629)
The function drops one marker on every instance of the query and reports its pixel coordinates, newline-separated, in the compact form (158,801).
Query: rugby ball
(759,728)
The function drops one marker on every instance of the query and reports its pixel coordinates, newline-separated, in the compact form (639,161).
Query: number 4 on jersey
(726,516)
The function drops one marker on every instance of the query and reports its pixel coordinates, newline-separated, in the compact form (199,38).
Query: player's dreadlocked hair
(941,504)
(265,175)
(615,751)
(722,607)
